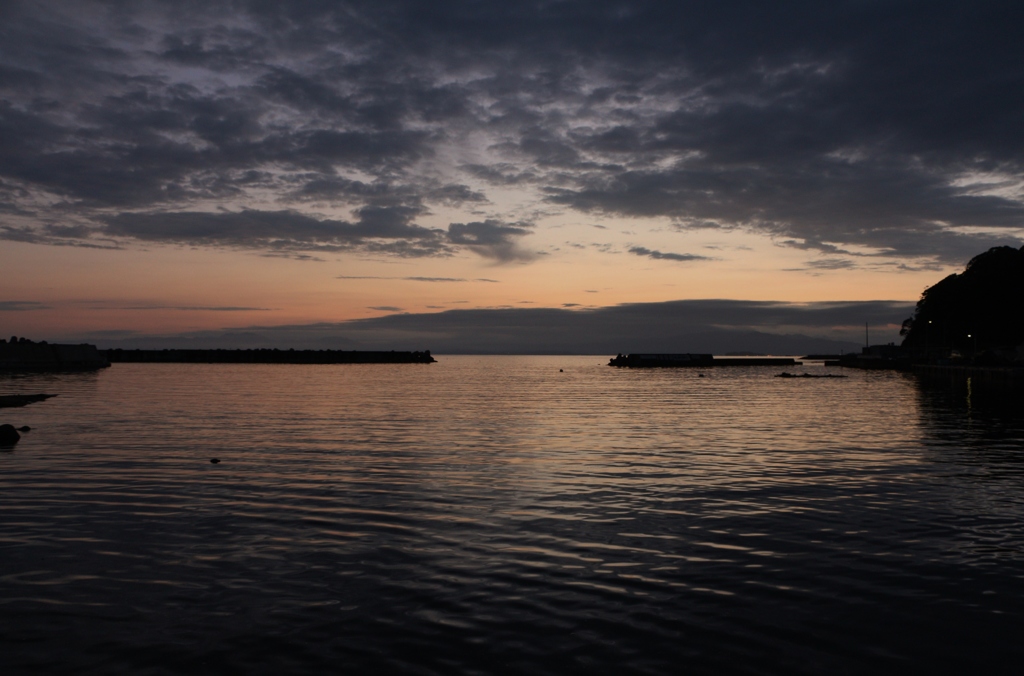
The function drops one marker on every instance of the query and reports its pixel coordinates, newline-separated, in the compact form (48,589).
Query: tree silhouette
(977,310)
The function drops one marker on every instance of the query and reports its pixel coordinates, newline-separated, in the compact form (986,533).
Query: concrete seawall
(979,380)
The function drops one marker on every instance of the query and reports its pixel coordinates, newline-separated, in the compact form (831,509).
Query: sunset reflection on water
(498,514)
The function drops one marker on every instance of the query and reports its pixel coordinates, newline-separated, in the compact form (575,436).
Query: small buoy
(214,460)
(24,428)
(700,375)
(561,371)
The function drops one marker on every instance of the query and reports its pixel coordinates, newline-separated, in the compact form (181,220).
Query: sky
(394,174)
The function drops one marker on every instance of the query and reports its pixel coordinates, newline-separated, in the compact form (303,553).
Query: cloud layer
(717,326)
(847,128)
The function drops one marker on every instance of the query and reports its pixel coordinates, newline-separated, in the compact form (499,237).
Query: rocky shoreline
(21,354)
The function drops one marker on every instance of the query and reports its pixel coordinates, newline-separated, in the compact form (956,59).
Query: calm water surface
(496,515)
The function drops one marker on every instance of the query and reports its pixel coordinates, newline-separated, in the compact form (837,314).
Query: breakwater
(696,360)
(268,356)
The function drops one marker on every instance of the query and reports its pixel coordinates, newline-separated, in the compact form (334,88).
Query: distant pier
(696,360)
(266,356)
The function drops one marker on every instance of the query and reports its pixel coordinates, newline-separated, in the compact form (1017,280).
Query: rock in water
(8,435)
(15,400)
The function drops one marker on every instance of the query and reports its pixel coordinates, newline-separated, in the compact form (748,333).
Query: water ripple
(493,514)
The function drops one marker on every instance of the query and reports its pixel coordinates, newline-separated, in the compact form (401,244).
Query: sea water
(507,515)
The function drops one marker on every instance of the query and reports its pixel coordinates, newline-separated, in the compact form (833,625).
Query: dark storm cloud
(828,264)
(434,279)
(421,279)
(454,195)
(658,255)
(197,308)
(55,236)
(104,305)
(501,173)
(717,326)
(336,189)
(21,305)
(283,230)
(893,209)
(677,326)
(492,239)
(846,127)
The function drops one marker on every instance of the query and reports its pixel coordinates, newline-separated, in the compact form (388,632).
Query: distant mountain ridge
(518,340)
(707,325)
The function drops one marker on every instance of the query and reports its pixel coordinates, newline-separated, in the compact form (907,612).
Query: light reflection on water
(492,514)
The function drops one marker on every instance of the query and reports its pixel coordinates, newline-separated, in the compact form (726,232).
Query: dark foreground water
(496,515)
